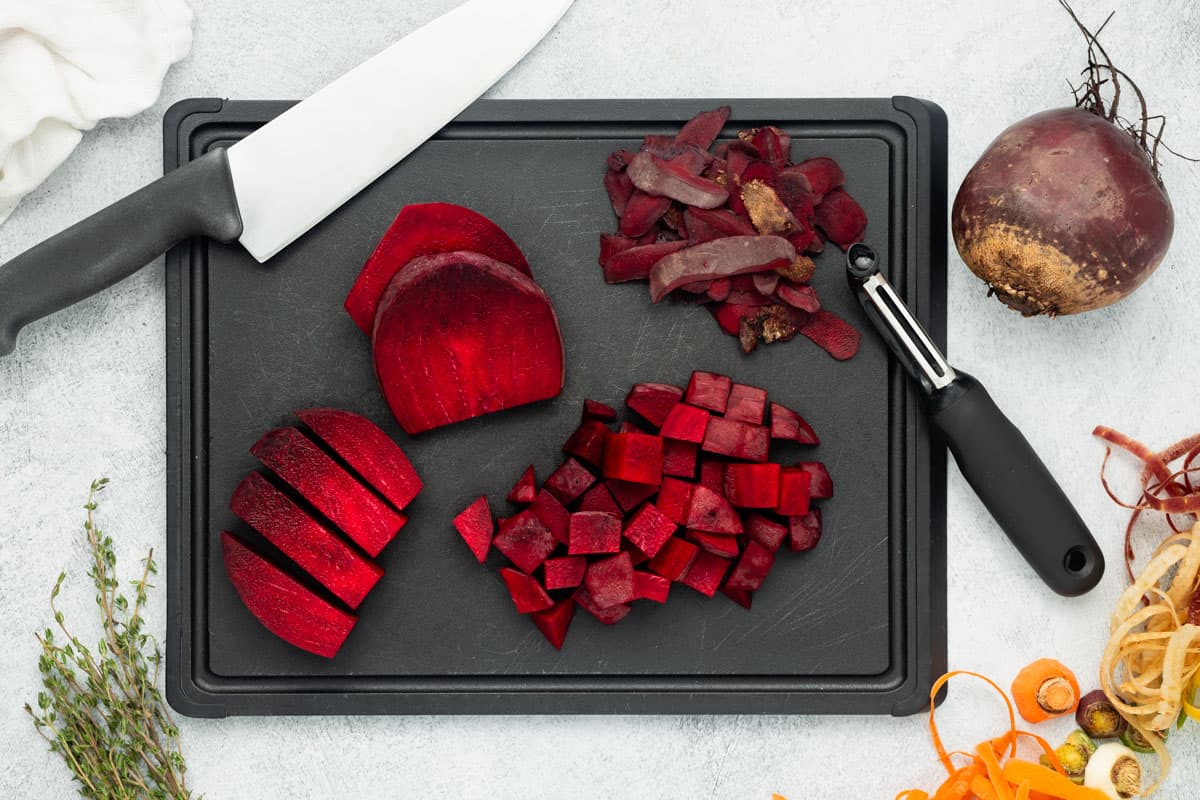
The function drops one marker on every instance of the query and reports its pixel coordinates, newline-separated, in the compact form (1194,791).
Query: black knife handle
(114,243)
(1016,487)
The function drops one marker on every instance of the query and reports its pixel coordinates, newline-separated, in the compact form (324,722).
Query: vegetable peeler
(995,458)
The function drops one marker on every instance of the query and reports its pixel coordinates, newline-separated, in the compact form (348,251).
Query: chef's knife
(995,458)
(272,186)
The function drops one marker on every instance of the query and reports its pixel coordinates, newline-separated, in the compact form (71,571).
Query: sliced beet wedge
(334,492)
(641,212)
(587,442)
(653,401)
(475,525)
(368,450)
(594,409)
(459,335)
(768,533)
(336,566)
(554,622)
(552,513)
(823,174)
(751,568)
(599,498)
(423,230)
(527,594)
(719,544)
(709,511)
(804,532)
(648,586)
(787,424)
(525,489)
(706,572)
(284,606)
(822,483)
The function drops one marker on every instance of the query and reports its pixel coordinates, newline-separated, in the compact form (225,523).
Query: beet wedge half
(338,567)
(334,492)
(367,450)
(284,606)
(459,335)
(422,230)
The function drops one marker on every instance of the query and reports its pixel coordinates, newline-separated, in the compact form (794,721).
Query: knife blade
(270,188)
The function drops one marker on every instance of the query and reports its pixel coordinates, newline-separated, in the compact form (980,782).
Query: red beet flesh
(569,481)
(525,489)
(787,424)
(564,572)
(599,498)
(648,586)
(720,258)
(527,594)
(634,457)
(685,424)
(367,450)
(649,528)
(730,437)
(705,573)
(674,559)
(709,390)
(755,485)
(804,532)
(653,401)
(594,532)
(525,540)
(587,442)
(795,492)
(679,458)
(746,404)
(474,524)
(554,622)
(609,581)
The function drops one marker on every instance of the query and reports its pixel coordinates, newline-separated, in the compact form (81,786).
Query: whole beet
(1062,213)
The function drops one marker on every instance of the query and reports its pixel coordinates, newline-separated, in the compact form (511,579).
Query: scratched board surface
(268,339)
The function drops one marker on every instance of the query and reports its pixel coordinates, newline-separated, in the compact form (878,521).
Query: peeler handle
(1017,488)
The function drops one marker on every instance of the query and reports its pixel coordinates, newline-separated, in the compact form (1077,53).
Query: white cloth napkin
(67,64)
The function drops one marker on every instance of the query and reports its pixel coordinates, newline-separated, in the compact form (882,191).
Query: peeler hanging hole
(1075,560)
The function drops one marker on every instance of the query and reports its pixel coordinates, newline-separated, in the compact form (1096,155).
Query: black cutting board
(855,626)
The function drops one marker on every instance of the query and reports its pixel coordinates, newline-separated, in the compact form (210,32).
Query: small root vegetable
(1045,689)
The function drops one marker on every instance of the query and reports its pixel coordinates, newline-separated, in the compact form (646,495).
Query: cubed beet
(739,596)
(609,616)
(634,457)
(794,492)
(649,528)
(594,409)
(674,558)
(710,511)
(552,513)
(525,489)
(609,581)
(648,586)
(805,531)
(587,442)
(787,424)
(746,403)
(751,568)
(712,474)
(474,524)
(736,439)
(674,499)
(564,572)
(768,533)
(706,572)
(753,485)
(679,458)
(569,481)
(527,594)
(685,423)
(822,484)
(719,544)
(709,390)
(525,540)
(630,495)
(653,401)
(594,532)
(599,498)
(554,622)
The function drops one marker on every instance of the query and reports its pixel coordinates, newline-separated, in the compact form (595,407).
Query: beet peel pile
(683,492)
(732,226)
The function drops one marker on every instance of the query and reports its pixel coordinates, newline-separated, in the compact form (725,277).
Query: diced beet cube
(594,532)
(630,495)
(746,403)
(795,486)
(768,533)
(804,532)
(564,572)
(822,484)
(653,401)
(554,622)
(634,457)
(712,474)
(674,558)
(649,528)
(787,424)
(609,581)
(752,568)
(527,594)
(594,409)
(474,524)
(706,572)
(679,458)
(648,586)
(609,616)
(569,481)
(709,390)
(739,596)
(525,489)
(753,485)
(628,426)
(685,423)
(674,499)
(737,439)
(553,514)
(587,442)
(526,541)
(599,498)
(709,511)
(719,544)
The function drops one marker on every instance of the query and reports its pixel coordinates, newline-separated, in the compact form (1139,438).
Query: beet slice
(823,174)
(793,188)
(653,401)
(336,566)
(746,404)
(594,409)
(620,188)
(822,484)
(704,225)
(736,439)
(712,474)
(422,230)
(587,442)
(599,498)
(349,505)
(841,217)
(594,532)
(711,512)
(755,485)
(661,178)
(719,544)
(609,616)
(674,559)
(474,524)
(525,540)
(631,495)
(774,144)
(801,297)
(284,606)
(768,533)
(569,481)
(554,622)
(704,128)
(740,596)
(787,424)
(527,594)
(649,528)
(634,457)
(685,423)
(459,335)
(564,572)
(795,490)
(635,263)
(648,586)
(525,489)
(674,499)
(709,390)
(641,212)
(679,458)
(804,532)
(609,581)
(720,258)
(751,568)
(367,450)
(705,573)
(552,514)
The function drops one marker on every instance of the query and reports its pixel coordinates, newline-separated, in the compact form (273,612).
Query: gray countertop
(83,394)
